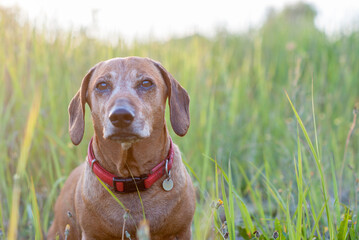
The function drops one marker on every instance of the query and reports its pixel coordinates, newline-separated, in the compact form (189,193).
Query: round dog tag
(167,184)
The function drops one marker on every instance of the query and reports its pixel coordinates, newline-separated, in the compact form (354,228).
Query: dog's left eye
(146,83)
(102,86)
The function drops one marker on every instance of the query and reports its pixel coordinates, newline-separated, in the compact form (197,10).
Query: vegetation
(273,146)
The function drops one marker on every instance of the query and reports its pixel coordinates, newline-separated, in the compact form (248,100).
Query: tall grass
(245,131)
(21,166)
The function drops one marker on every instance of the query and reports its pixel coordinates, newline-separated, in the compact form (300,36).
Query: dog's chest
(112,219)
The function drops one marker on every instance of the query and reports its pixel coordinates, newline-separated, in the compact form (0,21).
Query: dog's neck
(126,159)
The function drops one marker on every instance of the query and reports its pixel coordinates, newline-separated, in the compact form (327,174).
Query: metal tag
(167,184)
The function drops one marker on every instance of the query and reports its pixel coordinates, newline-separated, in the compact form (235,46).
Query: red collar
(127,185)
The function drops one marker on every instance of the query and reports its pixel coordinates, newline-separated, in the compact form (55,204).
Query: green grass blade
(112,194)
(21,166)
(343,227)
(289,223)
(319,167)
(35,211)
(231,201)
(227,209)
(1,220)
(299,175)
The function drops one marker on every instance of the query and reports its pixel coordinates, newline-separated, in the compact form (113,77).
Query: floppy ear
(77,110)
(178,101)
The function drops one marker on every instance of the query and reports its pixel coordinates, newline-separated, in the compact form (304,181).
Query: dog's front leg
(185,235)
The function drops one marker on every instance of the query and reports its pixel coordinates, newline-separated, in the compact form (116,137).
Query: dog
(131,153)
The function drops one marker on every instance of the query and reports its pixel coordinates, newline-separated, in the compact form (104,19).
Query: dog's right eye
(103,86)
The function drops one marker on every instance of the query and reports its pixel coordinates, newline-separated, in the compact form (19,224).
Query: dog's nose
(121,117)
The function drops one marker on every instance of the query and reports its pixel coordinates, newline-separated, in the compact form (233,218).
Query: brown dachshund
(131,152)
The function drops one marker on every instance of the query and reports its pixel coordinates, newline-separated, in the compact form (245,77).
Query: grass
(272,149)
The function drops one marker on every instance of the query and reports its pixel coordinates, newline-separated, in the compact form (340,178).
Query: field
(273,145)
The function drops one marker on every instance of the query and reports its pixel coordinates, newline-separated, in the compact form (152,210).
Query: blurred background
(165,19)
(273,169)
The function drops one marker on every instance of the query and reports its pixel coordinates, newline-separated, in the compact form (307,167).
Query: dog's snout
(121,117)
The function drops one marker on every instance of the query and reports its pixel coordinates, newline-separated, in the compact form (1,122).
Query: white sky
(163,18)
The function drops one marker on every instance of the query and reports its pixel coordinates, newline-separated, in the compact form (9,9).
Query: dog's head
(127,98)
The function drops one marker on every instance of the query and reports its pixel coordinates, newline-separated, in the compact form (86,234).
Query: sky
(165,18)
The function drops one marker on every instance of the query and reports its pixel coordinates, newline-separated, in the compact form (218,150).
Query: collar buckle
(129,184)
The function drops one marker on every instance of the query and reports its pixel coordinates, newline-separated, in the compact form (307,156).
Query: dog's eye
(102,86)
(146,83)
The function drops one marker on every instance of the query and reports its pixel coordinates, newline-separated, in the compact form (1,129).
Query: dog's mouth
(124,137)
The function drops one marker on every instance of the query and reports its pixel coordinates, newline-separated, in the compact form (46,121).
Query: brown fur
(83,203)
